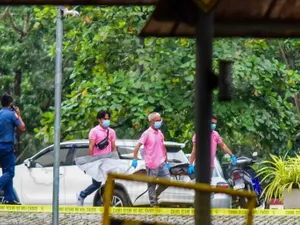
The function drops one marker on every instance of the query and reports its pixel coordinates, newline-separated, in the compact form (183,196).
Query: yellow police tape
(145,211)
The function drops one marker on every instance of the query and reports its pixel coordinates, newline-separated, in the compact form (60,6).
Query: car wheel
(97,200)
(1,196)
(243,202)
(119,199)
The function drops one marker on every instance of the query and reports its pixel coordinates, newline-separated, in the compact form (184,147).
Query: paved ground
(9,218)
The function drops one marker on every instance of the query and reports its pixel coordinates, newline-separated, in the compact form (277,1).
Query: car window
(81,151)
(126,152)
(47,158)
(177,157)
(125,149)
(215,173)
(172,148)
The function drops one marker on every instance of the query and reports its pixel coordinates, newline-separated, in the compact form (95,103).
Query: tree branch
(283,55)
(22,153)
(3,15)
(26,24)
(297,96)
(7,14)
(13,24)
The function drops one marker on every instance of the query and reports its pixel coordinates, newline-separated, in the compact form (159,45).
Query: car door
(76,180)
(37,181)
(174,194)
(136,191)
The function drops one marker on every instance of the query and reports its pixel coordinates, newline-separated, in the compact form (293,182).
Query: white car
(33,181)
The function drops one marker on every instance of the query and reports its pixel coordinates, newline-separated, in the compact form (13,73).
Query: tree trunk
(17,92)
(17,85)
(297,101)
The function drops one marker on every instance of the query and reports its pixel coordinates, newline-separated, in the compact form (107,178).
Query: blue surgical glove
(191,169)
(168,166)
(233,160)
(134,163)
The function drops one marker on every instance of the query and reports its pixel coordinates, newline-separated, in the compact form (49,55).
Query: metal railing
(109,187)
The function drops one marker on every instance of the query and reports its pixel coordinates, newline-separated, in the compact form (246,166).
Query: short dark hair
(214,117)
(6,100)
(101,114)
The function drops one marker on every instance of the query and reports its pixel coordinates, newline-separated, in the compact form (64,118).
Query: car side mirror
(28,163)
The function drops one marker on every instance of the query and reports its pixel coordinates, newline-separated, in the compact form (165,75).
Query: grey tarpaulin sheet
(98,166)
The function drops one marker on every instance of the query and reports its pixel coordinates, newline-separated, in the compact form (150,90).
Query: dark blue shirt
(8,122)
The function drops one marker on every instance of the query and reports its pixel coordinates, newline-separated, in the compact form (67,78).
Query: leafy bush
(280,173)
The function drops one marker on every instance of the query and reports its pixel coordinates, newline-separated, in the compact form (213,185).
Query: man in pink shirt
(101,141)
(215,139)
(155,156)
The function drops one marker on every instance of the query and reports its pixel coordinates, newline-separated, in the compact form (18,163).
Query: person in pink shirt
(155,156)
(101,141)
(215,139)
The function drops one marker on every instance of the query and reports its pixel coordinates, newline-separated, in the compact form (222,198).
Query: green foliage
(262,112)
(106,66)
(115,70)
(280,173)
(141,77)
(24,49)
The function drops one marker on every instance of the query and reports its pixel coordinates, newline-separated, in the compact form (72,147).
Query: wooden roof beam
(78,2)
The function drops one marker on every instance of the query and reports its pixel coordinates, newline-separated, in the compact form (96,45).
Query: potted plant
(283,177)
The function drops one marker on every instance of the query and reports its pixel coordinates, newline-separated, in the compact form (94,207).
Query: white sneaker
(79,200)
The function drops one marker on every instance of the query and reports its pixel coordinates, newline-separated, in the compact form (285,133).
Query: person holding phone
(10,118)
(101,140)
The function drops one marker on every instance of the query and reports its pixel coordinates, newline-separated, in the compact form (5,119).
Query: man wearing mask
(101,141)
(10,118)
(215,139)
(155,156)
